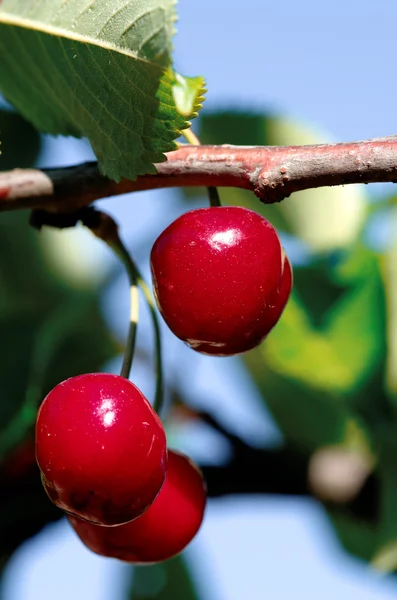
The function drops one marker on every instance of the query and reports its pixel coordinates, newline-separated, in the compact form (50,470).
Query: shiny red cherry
(217,277)
(165,529)
(101,448)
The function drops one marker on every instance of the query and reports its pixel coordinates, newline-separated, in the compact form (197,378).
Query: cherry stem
(213,194)
(121,251)
(103,226)
(159,394)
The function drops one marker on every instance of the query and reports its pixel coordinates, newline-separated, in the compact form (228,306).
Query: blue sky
(330,65)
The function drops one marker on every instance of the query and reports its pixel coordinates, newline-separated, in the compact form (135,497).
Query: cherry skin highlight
(165,529)
(217,276)
(101,448)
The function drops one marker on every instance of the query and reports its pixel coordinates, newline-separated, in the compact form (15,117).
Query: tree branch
(277,471)
(271,172)
(257,471)
(282,472)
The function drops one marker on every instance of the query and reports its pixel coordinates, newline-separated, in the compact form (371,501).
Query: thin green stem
(159,394)
(103,226)
(121,251)
(191,137)
(136,280)
(213,194)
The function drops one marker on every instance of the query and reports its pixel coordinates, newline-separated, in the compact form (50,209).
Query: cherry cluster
(102,452)
(221,281)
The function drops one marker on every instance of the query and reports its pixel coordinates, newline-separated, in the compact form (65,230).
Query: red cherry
(165,529)
(282,293)
(217,275)
(101,448)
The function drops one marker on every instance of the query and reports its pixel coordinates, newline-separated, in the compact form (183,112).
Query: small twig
(272,173)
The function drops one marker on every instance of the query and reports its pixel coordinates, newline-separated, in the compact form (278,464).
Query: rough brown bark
(272,173)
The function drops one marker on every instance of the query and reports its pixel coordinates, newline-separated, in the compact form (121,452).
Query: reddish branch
(272,173)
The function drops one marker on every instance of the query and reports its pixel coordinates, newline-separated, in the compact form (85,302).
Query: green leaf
(100,70)
(298,351)
(317,289)
(357,327)
(335,349)
(20,143)
(169,580)
(308,419)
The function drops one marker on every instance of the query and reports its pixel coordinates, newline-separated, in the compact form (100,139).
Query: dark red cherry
(217,276)
(165,529)
(101,448)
